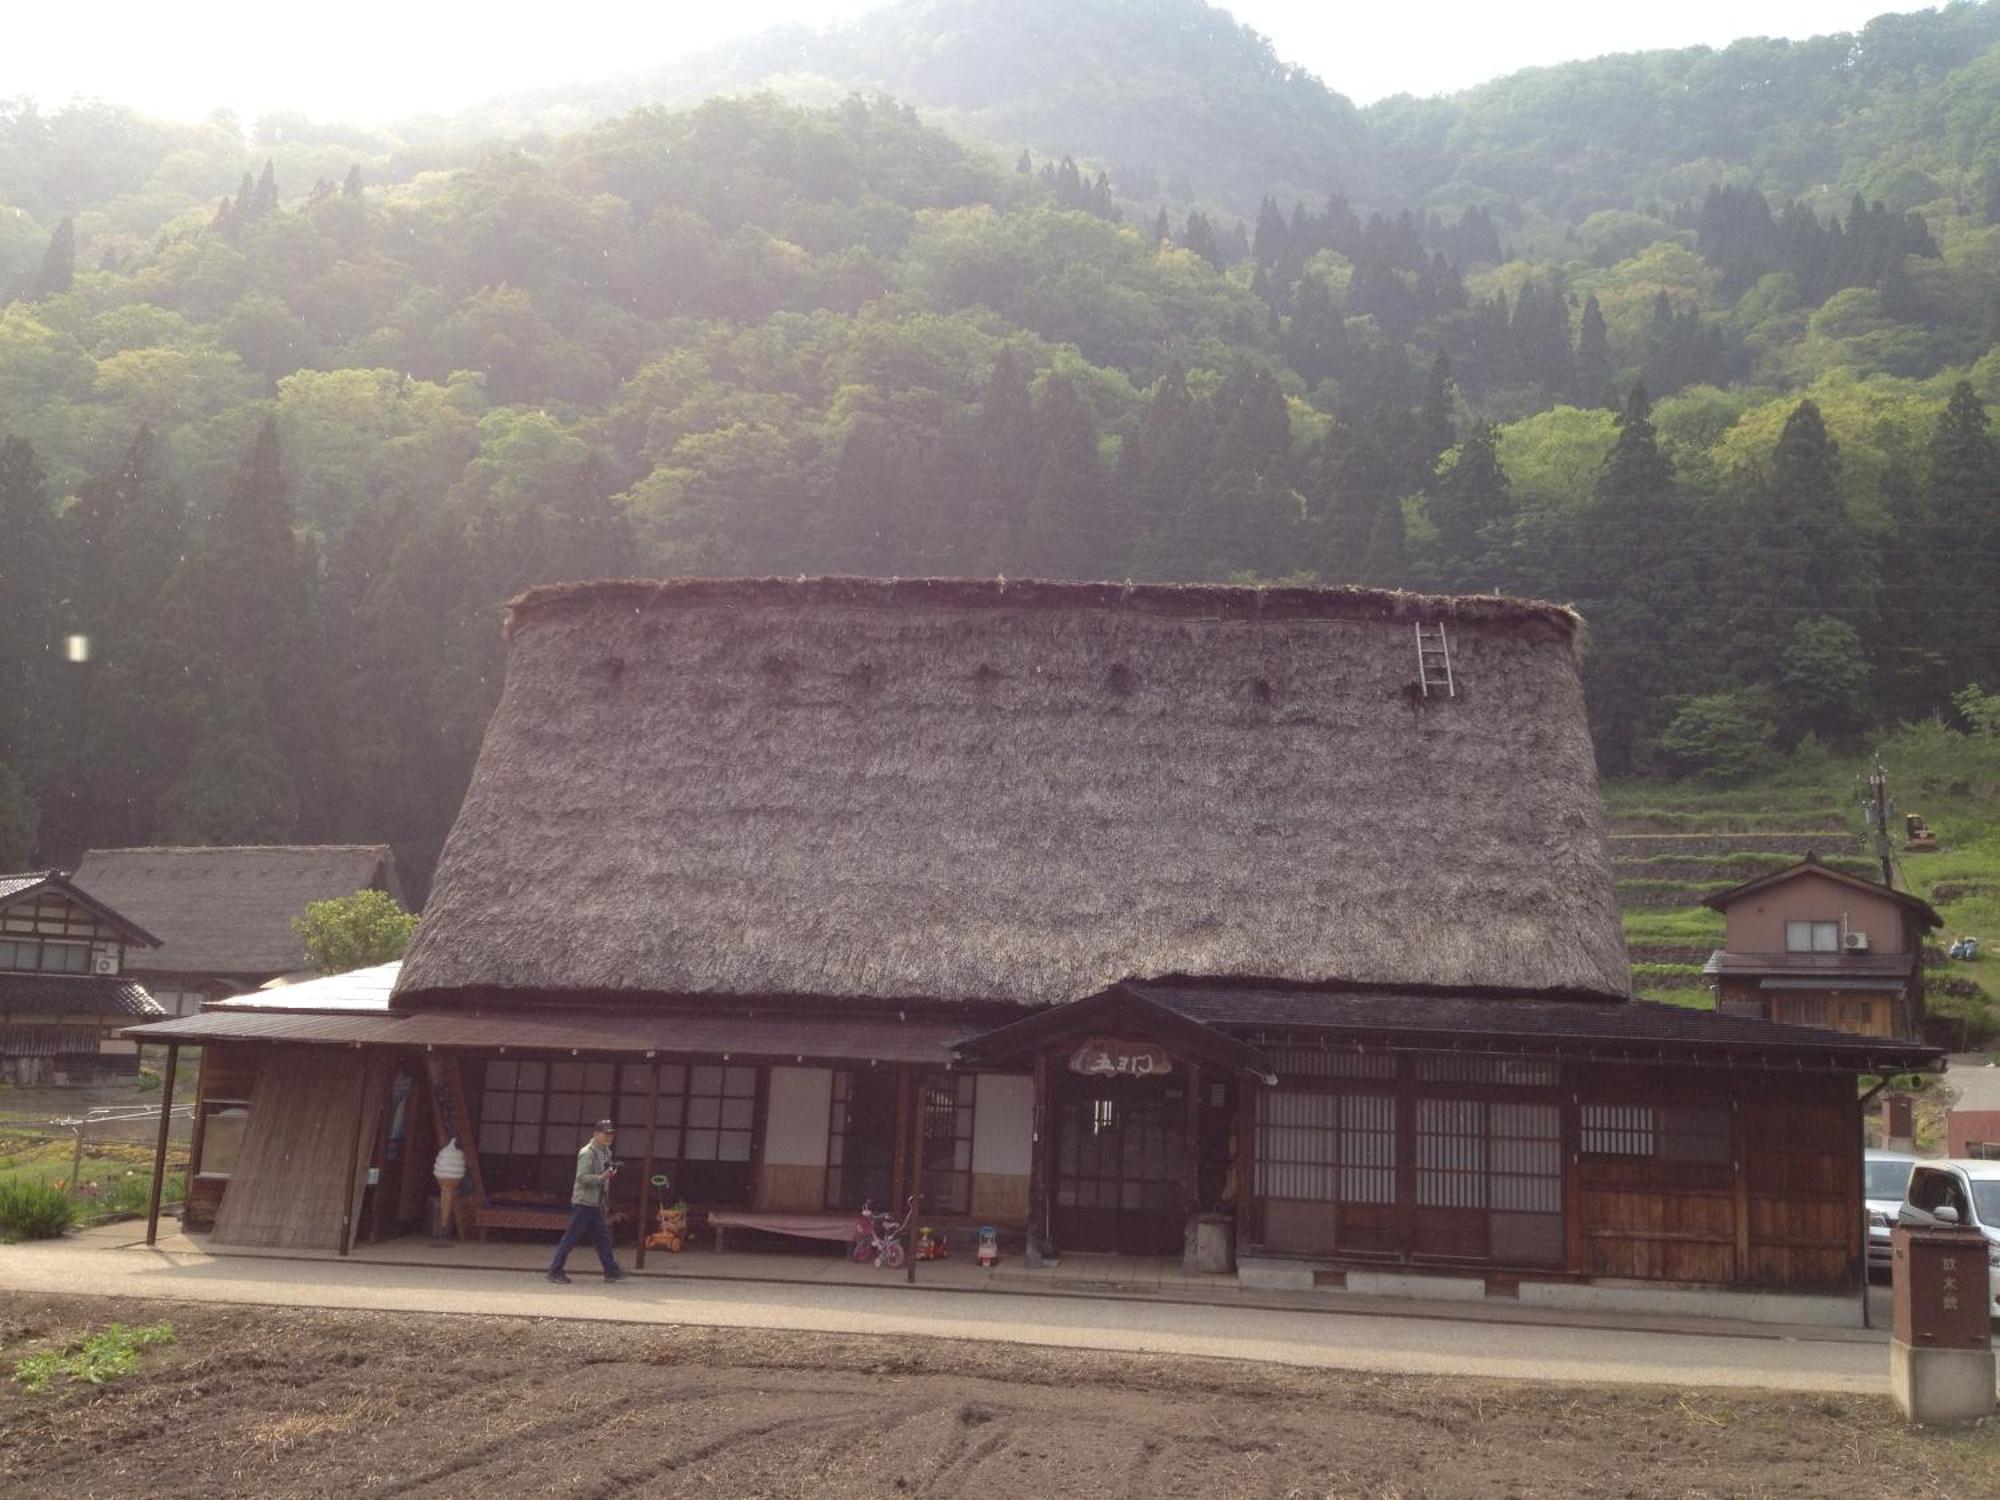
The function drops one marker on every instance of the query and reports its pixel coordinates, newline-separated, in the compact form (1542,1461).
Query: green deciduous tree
(1823,678)
(1723,735)
(354,932)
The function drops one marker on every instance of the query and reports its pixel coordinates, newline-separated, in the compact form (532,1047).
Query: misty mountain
(1174,97)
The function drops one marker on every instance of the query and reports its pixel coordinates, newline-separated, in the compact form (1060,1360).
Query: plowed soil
(258,1402)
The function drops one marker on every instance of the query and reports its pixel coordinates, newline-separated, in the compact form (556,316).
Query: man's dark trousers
(585,1219)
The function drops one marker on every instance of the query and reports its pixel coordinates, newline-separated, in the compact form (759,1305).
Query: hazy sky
(376,60)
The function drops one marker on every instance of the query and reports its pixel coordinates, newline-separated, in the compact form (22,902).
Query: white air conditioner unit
(1855,942)
(104,963)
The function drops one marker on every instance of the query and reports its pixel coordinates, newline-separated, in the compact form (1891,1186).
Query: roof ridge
(233,849)
(1248,601)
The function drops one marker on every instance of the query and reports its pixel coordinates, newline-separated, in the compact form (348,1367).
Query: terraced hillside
(1672,844)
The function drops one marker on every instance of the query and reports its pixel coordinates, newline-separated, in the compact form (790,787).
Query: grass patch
(1689,925)
(94,1360)
(116,1176)
(1647,887)
(1686,999)
(1735,868)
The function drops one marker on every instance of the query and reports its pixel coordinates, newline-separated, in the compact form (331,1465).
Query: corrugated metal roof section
(13,885)
(1723,961)
(357,992)
(79,994)
(1837,982)
(862,1038)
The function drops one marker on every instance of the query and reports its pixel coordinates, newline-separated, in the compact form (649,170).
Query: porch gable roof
(1120,1008)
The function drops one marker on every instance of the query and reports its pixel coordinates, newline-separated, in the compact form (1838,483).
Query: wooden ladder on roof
(451,1117)
(1434,661)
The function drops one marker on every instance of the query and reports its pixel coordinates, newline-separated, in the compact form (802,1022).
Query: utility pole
(1878,814)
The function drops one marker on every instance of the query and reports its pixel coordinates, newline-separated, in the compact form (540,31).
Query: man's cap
(605,1125)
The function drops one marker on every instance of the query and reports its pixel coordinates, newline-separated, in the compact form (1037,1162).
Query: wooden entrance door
(865,1103)
(1121,1153)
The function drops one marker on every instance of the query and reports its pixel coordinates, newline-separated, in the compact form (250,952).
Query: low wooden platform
(835,1227)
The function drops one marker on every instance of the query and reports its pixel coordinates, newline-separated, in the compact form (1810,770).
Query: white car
(1972,1190)
(1885,1178)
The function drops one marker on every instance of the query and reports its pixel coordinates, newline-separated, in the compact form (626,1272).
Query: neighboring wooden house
(1080,909)
(1812,946)
(65,988)
(224,915)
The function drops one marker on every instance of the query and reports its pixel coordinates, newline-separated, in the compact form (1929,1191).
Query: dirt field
(260,1402)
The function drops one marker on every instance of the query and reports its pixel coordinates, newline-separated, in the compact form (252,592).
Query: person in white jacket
(449,1170)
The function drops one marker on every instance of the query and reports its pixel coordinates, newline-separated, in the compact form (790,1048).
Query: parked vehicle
(1885,1178)
(1971,1189)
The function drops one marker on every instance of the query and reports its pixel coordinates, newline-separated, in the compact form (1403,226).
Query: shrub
(34,1210)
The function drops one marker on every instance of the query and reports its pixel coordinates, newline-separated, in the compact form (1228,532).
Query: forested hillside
(288,409)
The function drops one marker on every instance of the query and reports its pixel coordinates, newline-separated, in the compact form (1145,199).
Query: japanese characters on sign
(1107,1057)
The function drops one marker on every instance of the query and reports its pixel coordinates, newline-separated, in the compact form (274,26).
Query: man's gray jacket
(591,1163)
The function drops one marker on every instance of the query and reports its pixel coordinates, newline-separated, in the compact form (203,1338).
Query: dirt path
(272,1402)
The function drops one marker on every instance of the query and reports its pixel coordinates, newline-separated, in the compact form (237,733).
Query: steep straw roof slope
(1022,792)
(230,910)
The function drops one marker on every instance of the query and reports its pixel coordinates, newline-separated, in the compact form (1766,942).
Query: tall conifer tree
(264,199)
(28,626)
(1635,587)
(1469,505)
(252,673)
(1073,530)
(1961,542)
(1593,357)
(58,269)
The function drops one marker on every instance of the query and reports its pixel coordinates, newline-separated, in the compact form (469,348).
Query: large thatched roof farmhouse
(1121,917)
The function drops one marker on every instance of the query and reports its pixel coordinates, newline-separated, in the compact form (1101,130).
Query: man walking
(589,1205)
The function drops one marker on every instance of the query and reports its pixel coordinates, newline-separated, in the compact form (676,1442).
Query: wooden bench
(548,1217)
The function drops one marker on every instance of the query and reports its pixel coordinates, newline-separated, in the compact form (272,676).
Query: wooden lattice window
(1662,1132)
(947,1122)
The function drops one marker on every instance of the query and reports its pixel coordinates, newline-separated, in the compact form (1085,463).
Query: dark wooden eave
(1628,1031)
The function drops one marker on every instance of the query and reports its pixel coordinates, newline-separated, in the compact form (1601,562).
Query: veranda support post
(922,1112)
(646,1170)
(160,1146)
(348,1190)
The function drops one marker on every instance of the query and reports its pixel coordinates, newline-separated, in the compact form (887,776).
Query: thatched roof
(1021,792)
(228,911)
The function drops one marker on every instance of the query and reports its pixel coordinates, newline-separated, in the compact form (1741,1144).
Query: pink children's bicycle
(879,1237)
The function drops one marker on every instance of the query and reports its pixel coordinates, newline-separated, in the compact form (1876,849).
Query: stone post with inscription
(1941,1354)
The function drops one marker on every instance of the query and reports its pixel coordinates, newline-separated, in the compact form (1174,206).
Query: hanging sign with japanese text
(1107,1057)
